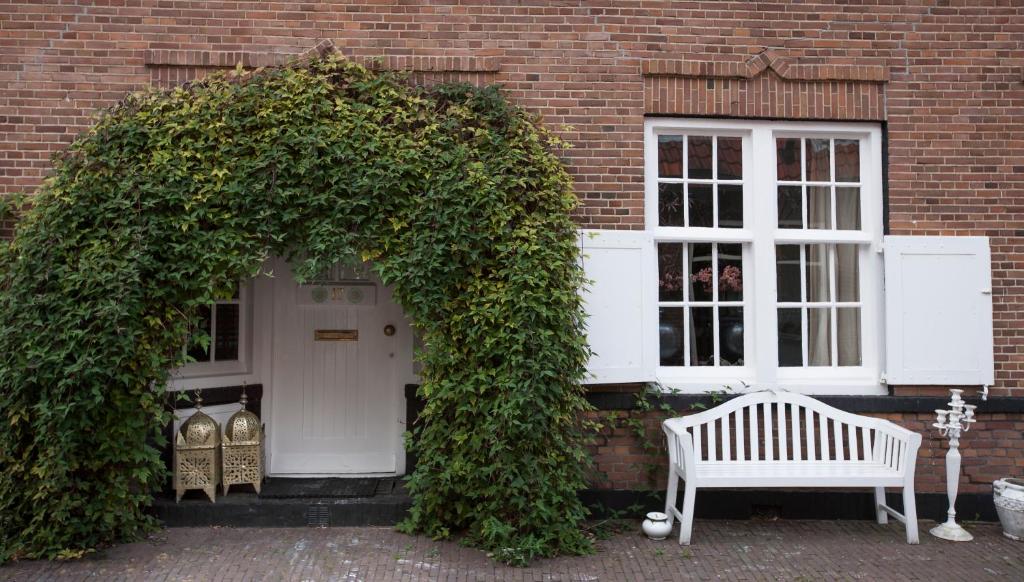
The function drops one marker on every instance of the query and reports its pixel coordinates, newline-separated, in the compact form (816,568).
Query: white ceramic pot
(1008,495)
(656,526)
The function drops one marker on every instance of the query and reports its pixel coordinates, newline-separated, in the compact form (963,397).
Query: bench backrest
(787,427)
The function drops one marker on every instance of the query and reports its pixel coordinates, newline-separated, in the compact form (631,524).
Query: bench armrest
(680,445)
(897,430)
(911,440)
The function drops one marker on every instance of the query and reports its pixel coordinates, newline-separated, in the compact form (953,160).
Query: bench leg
(880,514)
(670,494)
(686,522)
(910,512)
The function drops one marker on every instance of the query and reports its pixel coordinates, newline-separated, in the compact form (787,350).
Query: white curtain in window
(848,318)
(818,344)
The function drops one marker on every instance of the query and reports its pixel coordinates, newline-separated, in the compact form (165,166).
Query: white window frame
(237,367)
(759,235)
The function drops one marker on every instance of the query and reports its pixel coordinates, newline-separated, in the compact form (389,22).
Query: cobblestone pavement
(722,550)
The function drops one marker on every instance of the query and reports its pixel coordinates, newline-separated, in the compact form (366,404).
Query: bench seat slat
(797,474)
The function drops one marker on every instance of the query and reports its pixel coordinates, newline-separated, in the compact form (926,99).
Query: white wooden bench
(810,444)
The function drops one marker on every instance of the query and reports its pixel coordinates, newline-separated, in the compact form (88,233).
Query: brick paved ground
(727,550)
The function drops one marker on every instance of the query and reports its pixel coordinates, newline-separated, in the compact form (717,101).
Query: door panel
(335,384)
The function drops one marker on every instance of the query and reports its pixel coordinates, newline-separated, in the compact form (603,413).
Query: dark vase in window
(671,342)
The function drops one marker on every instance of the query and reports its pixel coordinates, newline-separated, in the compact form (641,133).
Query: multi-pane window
(220,322)
(700,181)
(818,296)
(700,284)
(225,323)
(700,294)
(818,182)
(764,235)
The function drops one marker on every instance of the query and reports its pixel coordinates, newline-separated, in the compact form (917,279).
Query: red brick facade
(946,78)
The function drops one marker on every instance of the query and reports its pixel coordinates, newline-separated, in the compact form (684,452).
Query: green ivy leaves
(173,196)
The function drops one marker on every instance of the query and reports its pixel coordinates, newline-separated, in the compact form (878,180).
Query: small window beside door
(226,323)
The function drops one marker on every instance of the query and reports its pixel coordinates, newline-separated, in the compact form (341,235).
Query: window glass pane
(701,209)
(670,272)
(698,156)
(730,206)
(819,207)
(819,333)
(790,207)
(787,270)
(670,156)
(848,332)
(848,208)
(817,160)
(730,333)
(790,337)
(670,332)
(226,334)
(670,205)
(847,160)
(702,329)
(817,273)
(730,158)
(701,272)
(847,273)
(195,351)
(730,272)
(787,151)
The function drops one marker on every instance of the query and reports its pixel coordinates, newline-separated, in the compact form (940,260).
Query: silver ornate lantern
(197,454)
(242,449)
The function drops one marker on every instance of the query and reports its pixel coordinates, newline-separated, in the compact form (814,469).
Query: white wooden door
(335,390)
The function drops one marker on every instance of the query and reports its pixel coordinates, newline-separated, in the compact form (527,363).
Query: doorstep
(292,503)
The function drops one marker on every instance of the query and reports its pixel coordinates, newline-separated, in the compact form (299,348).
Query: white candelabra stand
(951,423)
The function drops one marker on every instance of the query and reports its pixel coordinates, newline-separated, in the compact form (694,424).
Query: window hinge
(882,379)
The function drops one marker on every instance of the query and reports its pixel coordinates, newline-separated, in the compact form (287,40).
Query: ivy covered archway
(174,196)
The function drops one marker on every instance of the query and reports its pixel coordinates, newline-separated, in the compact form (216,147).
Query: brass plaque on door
(336,335)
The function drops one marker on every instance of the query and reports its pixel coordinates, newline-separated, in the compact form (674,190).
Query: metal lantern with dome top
(197,454)
(242,449)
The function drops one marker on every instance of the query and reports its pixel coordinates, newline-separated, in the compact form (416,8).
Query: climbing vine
(172,197)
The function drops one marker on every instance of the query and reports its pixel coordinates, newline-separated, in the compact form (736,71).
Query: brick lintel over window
(765,85)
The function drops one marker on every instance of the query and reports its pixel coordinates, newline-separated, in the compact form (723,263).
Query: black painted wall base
(747,504)
(242,510)
(249,510)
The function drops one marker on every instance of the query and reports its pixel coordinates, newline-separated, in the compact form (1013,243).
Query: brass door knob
(389,330)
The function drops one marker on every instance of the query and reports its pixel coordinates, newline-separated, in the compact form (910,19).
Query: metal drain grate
(318,516)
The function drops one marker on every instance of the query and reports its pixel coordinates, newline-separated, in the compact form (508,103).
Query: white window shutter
(620,302)
(938,310)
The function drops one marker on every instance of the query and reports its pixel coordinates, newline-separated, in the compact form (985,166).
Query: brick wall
(992,449)
(946,77)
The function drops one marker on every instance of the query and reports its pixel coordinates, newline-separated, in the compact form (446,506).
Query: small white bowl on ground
(656,526)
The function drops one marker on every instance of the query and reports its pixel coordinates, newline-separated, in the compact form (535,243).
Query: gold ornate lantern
(242,450)
(197,454)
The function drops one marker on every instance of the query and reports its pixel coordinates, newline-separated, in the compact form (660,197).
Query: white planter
(656,526)
(1008,495)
